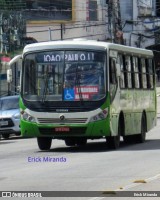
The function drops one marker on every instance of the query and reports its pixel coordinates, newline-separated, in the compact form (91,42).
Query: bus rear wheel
(44,143)
(140,138)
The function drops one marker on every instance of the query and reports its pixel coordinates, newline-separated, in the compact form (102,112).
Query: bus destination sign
(51,57)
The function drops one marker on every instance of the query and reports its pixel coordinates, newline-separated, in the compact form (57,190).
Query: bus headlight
(100,116)
(27,117)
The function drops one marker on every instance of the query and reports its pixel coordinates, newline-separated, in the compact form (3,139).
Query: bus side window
(112,77)
(136,72)
(140,73)
(144,77)
(125,72)
(122,76)
(128,69)
(112,66)
(150,73)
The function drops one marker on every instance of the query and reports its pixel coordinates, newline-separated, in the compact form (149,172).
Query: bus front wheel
(44,143)
(113,142)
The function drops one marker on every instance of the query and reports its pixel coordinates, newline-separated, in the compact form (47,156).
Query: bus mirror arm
(15,59)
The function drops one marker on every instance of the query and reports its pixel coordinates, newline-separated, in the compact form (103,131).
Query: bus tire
(113,142)
(140,138)
(81,141)
(44,143)
(70,142)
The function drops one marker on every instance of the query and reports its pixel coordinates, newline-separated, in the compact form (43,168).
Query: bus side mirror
(18,88)
(9,75)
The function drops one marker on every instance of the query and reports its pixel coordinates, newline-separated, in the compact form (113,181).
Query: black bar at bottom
(22,194)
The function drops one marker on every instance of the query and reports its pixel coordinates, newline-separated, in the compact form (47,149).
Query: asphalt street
(92,168)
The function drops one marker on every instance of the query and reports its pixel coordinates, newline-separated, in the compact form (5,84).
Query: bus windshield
(64,76)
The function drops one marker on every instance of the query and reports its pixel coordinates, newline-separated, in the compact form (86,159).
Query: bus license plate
(3,123)
(62,129)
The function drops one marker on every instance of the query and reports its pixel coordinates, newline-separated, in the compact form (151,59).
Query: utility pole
(114,19)
(110,20)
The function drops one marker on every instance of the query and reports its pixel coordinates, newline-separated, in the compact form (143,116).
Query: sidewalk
(152,185)
(143,189)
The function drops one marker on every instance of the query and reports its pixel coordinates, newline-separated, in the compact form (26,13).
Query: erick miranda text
(46,159)
(145,194)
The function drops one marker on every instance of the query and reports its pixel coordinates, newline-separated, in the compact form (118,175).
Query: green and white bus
(82,89)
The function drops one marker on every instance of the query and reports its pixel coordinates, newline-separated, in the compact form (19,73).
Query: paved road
(93,168)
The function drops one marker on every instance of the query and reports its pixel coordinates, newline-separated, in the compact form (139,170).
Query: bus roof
(84,44)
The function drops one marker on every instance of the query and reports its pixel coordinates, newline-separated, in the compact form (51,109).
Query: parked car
(9,116)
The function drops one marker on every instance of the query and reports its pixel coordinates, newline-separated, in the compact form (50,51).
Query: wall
(137,18)
(79,27)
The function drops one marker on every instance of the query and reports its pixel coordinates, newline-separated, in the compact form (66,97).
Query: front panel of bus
(64,93)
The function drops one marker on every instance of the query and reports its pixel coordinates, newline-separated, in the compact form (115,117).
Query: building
(57,20)
(129,22)
(43,21)
(140,22)
(141,26)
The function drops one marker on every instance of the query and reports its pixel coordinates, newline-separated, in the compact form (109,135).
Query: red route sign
(86,90)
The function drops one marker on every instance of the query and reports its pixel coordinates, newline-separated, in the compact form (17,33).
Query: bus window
(113,79)
(30,88)
(140,73)
(112,65)
(128,69)
(120,62)
(136,72)
(150,71)
(49,76)
(144,77)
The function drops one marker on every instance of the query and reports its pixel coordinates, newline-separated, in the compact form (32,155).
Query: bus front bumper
(89,130)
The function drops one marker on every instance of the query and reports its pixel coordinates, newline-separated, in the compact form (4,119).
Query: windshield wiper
(78,84)
(45,88)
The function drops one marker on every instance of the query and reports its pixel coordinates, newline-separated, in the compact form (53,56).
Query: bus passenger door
(112,78)
(114,96)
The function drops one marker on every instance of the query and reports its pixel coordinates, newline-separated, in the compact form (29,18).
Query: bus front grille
(72,131)
(65,121)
